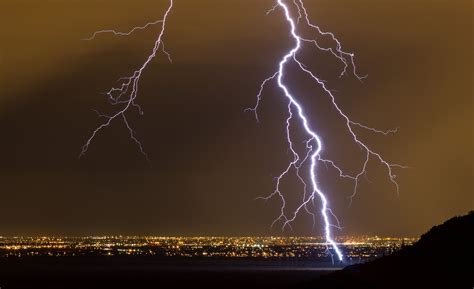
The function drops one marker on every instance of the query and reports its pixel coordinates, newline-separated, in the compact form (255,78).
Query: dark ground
(442,258)
(146,272)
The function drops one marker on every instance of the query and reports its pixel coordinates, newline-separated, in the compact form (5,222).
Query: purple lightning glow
(314,145)
(127,91)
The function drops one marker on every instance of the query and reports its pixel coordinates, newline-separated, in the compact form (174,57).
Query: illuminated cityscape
(356,248)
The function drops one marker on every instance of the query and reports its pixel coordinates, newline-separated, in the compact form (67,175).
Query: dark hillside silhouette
(442,258)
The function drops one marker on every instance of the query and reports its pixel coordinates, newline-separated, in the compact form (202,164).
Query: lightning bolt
(314,144)
(126,92)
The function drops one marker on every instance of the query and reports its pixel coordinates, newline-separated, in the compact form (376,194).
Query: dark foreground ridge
(101,272)
(442,258)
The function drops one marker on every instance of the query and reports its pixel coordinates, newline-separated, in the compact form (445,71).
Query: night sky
(210,159)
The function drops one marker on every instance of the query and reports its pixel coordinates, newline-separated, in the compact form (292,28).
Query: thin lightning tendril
(126,92)
(118,33)
(314,145)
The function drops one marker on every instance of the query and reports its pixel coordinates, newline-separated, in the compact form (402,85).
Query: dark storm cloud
(209,158)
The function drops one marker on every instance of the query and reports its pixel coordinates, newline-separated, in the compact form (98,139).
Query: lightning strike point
(314,144)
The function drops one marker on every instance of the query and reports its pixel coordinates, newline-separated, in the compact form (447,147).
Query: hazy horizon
(203,236)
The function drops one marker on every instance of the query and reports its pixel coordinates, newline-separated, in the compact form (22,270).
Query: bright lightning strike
(126,92)
(314,144)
